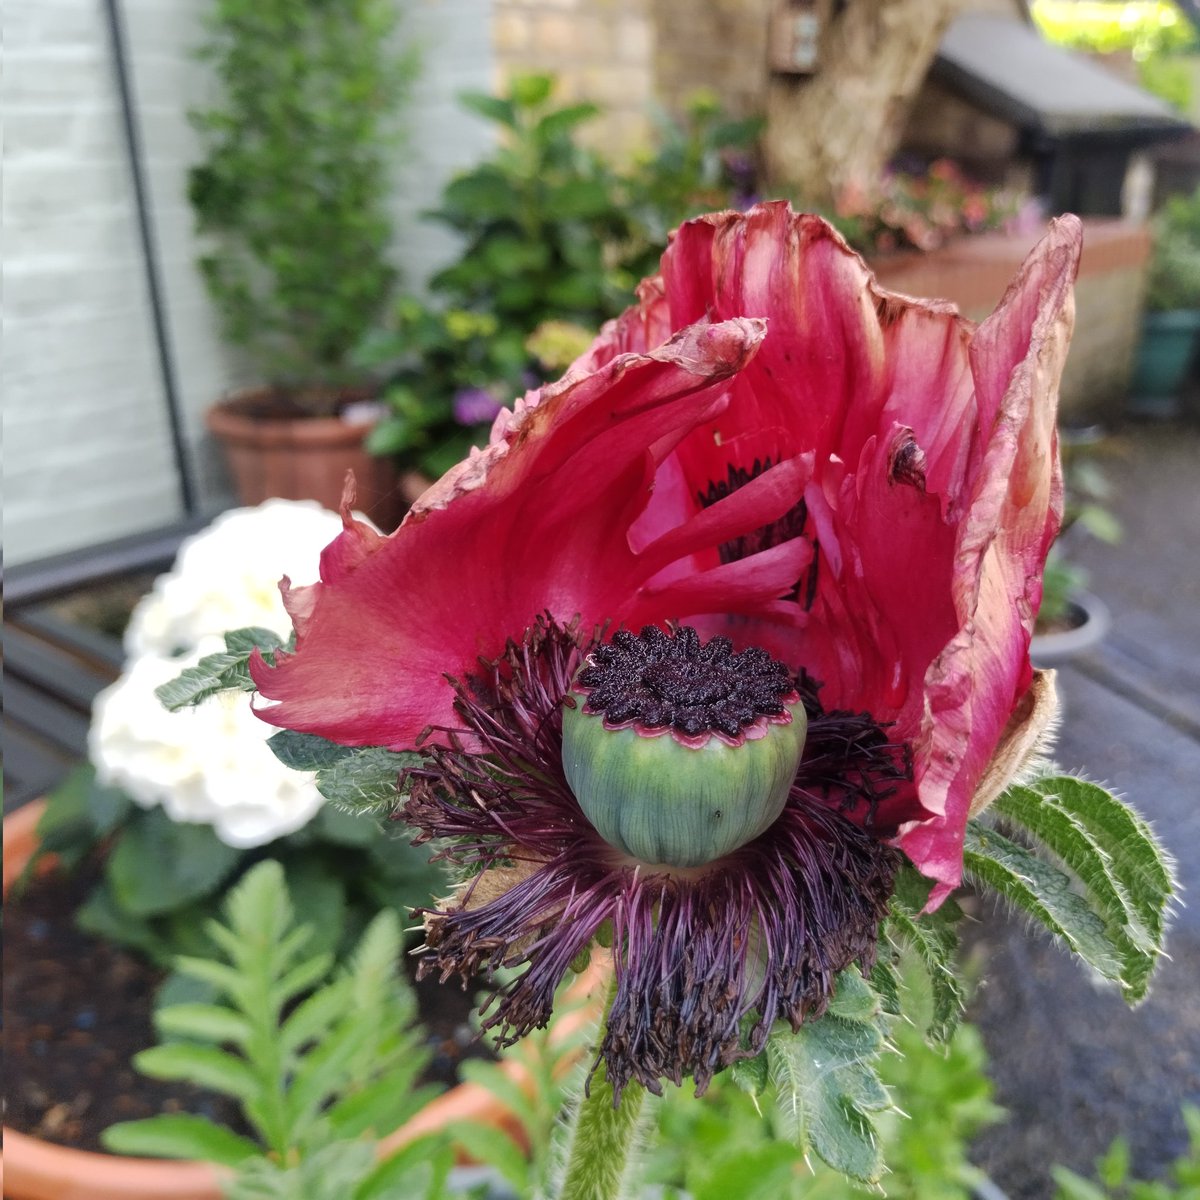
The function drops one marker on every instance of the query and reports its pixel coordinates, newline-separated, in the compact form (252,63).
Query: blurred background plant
(921,209)
(1173,282)
(293,191)
(553,241)
(1086,514)
(1114,1173)
(727,1143)
(704,161)
(323,1061)
(1153,34)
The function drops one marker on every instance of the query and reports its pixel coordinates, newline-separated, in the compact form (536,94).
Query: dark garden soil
(77,1009)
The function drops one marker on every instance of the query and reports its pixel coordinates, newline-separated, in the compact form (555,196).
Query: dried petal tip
(683,751)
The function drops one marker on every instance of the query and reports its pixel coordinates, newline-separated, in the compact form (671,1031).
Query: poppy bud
(682,752)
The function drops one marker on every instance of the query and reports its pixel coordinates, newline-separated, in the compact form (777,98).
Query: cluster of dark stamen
(791,525)
(660,680)
(704,965)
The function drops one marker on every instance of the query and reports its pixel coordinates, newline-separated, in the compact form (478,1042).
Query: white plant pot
(1053,649)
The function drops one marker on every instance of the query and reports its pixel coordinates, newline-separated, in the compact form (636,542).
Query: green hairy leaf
(822,1080)
(1043,892)
(934,939)
(365,781)
(306,751)
(252,637)
(1118,872)
(222,672)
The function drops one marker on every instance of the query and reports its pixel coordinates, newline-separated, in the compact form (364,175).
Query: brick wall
(87,446)
(974,273)
(602,51)
(717,44)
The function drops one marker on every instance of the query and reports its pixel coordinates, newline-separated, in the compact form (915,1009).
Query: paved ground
(1071,1063)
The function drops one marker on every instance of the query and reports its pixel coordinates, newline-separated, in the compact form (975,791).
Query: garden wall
(88,454)
(974,272)
(602,50)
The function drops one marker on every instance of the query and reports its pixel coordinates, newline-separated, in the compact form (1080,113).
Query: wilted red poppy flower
(848,497)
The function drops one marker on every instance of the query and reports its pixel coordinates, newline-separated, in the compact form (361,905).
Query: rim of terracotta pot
(34,1169)
(228,419)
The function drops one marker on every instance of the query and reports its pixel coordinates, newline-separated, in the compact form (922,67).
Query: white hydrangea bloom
(209,764)
(227,576)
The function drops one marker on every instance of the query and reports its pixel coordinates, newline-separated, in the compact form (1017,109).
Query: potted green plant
(291,200)
(1071,619)
(1172,317)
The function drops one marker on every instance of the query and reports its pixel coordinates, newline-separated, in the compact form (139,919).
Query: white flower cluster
(211,764)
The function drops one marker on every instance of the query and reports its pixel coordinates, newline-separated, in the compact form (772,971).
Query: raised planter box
(974,272)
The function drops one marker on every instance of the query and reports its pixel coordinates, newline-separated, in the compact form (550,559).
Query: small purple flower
(475,406)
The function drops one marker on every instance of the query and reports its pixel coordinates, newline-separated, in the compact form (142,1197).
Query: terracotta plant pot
(37,1170)
(304,458)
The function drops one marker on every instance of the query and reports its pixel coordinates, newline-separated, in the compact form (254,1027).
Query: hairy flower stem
(604,1137)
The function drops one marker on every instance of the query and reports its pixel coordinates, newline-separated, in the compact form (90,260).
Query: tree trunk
(837,128)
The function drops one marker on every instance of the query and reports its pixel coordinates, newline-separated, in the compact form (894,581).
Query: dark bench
(54,668)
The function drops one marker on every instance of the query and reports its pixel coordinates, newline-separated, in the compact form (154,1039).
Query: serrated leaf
(323,1072)
(886,982)
(203,1065)
(221,976)
(383,1105)
(306,751)
(934,939)
(259,908)
(1041,891)
(314,1016)
(250,638)
(1138,865)
(366,780)
(179,1135)
(212,674)
(1069,839)
(826,1089)
(204,1022)
(853,998)
(495,1148)
(752,1075)
(301,977)
(1138,860)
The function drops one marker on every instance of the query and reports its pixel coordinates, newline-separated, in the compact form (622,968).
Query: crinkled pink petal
(1011,519)
(933,493)
(539,521)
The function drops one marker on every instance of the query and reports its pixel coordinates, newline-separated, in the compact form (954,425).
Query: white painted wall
(87,448)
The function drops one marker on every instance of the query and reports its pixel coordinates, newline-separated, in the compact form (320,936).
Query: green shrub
(1153,32)
(554,241)
(293,190)
(1173,281)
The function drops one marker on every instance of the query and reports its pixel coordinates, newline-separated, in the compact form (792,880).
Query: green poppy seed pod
(662,801)
(680,751)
